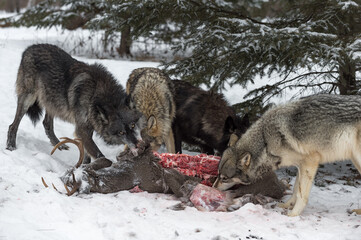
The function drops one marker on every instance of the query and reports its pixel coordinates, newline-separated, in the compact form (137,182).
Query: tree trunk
(347,76)
(31,3)
(125,43)
(17,6)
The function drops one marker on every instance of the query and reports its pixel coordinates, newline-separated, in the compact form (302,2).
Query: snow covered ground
(30,211)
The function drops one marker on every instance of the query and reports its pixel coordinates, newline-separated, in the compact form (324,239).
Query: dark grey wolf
(86,95)
(305,133)
(152,91)
(204,118)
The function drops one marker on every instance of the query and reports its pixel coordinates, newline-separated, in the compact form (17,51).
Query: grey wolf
(304,133)
(151,91)
(204,118)
(86,95)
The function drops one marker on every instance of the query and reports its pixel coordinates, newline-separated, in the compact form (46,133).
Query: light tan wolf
(305,133)
(152,93)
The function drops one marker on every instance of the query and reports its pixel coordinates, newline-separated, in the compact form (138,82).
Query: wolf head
(233,169)
(151,128)
(239,167)
(118,124)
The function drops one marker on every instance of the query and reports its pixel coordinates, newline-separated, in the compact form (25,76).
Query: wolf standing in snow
(85,95)
(151,91)
(305,133)
(204,118)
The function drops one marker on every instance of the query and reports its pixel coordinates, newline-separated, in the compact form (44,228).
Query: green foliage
(62,13)
(310,45)
(237,48)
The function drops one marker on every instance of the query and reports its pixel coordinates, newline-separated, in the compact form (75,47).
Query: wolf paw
(282,205)
(10,148)
(286,205)
(293,213)
(63,147)
(357,211)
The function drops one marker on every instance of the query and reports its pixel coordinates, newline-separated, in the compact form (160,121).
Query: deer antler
(75,187)
(78,143)
(68,192)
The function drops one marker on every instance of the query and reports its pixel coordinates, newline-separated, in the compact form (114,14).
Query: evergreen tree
(72,14)
(312,45)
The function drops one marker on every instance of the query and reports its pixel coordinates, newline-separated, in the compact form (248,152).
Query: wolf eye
(133,125)
(224,178)
(121,133)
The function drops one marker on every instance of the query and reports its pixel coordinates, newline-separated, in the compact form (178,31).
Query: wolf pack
(305,133)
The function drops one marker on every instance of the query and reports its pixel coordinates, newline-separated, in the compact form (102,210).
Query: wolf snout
(140,143)
(134,151)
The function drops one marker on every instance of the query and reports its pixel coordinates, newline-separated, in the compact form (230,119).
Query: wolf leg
(86,135)
(48,124)
(356,160)
(177,137)
(292,200)
(307,172)
(87,158)
(24,102)
(207,149)
(169,142)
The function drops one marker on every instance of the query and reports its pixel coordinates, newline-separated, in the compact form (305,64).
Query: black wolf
(204,118)
(86,95)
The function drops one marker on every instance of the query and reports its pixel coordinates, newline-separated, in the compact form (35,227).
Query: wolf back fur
(304,133)
(152,92)
(85,95)
(204,118)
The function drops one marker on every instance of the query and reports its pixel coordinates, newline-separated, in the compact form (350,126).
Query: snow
(28,210)
(346,5)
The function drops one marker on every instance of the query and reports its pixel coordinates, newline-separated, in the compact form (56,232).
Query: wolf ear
(244,161)
(229,125)
(151,123)
(102,114)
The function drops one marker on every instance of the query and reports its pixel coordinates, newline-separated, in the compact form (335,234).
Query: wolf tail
(34,112)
